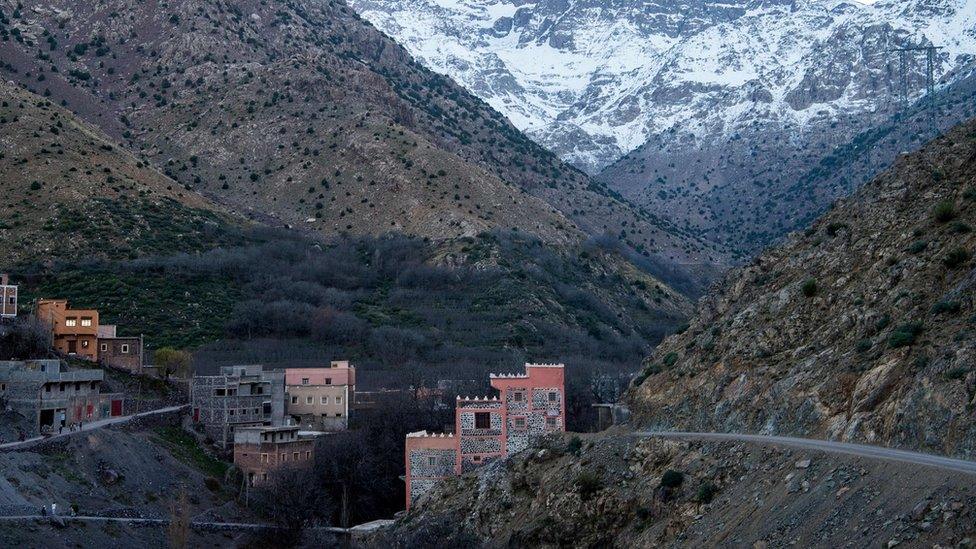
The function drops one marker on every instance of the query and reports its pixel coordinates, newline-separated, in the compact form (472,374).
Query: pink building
(318,399)
(528,406)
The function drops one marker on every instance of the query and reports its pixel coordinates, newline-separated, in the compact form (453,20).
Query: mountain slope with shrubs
(862,328)
(69,191)
(300,112)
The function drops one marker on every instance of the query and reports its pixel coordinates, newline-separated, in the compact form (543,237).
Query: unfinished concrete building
(124,352)
(52,397)
(529,405)
(239,396)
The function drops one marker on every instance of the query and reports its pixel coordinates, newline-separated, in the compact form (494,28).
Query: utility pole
(903,58)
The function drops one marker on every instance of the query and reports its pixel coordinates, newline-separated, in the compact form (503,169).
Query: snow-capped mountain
(595,79)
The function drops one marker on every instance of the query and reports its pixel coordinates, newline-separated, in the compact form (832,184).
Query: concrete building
(8,298)
(319,398)
(528,406)
(74,332)
(258,450)
(239,396)
(120,352)
(54,397)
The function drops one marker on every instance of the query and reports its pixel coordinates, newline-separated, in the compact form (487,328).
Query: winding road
(861,450)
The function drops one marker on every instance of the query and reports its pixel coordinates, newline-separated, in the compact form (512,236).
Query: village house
(258,450)
(8,298)
(239,396)
(52,397)
(319,398)
(124,352)
(528,406)
(74,332)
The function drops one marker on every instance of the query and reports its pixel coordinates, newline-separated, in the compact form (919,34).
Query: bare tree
(178,530)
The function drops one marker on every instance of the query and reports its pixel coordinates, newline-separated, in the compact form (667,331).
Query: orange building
(74,332)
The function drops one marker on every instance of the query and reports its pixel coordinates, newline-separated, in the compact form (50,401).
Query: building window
(294,400)
(338,414)
(476,458)
(231,412)
(84,344)
(86,321)
(517,396)
(264,476)
(328,381)
(482,420)
(71,321)
(325,400)
(125,348)
(551,422)
(284,456)
(220,392)
(295,456)
(553,396)
(77,386)
(431,461)
(309,400)
(259,390)
(520,422)
(308,454)
(304,381)
(104,347)
(338,400)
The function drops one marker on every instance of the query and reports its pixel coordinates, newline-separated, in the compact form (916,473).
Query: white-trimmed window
(86,321)
(304,381)
(325,400)
(309,399)
(70,321)
(125,348)
(338,400)
(104,347)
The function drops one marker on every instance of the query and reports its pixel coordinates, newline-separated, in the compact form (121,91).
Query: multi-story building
(54,397)
(239,396)
(319,398)
(123,352)
(74,332)
(8,298)
(258,450)
(528,406)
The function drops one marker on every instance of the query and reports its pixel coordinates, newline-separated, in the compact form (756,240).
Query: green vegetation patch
(184,447)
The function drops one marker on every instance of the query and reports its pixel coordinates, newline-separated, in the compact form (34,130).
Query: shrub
(956,374)
(706,493)
(864,345)
(956,257)
(944,211)
(588,483)
(574,446)
(905,334)
(946,307)
(809,287)
(918,247)
(212,484)
(670,359)
(672,479)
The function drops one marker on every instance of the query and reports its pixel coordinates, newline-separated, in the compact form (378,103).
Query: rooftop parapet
(425,434)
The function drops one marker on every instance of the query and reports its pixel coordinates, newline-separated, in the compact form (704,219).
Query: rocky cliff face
(859,329)
(716,105)
(300,113)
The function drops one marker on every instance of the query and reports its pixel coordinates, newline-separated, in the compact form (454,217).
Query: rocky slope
(716,105)
(300,112)
(859,329)
(620,491)
(67,190)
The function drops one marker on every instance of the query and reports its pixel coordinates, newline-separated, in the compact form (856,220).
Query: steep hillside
(299,111)
(859,329)
(68,191)
(715,106)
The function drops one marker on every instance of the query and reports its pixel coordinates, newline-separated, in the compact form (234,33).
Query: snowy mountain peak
(595,79)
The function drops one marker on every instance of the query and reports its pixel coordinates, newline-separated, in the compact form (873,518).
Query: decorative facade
(528,406)
(8,298)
